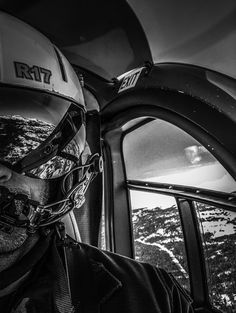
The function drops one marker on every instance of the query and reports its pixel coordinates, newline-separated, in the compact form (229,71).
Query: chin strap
(62,291)
(69,250)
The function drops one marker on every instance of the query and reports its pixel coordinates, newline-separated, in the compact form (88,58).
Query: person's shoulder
(99,255)
(121,265)
(138,276)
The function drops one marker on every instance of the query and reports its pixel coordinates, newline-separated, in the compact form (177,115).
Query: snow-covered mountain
(19,135)
(159,240)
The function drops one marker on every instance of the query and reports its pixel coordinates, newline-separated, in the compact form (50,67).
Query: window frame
(118,184)
(185,196)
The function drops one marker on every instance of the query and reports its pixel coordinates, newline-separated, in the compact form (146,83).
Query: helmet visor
(40,134)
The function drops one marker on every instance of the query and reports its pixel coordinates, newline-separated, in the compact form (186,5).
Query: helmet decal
(35,72)
(39,65)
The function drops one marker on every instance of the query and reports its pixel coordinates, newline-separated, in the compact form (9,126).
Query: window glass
(162,152)
(218,230)
(158,236)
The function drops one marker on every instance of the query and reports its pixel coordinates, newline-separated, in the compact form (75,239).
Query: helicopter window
(165,167)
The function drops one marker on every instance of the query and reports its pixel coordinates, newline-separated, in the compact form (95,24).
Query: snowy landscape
(159,240)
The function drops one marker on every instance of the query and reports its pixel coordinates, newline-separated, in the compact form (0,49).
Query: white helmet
(28,59)
(42,125)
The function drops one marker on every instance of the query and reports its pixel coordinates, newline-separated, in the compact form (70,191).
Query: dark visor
(54,145)
(36,127)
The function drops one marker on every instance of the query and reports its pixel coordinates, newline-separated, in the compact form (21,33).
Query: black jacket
(101,282)
(112,283)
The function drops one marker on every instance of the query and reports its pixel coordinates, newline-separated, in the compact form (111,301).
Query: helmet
(30,60)
(42,125)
